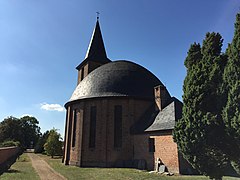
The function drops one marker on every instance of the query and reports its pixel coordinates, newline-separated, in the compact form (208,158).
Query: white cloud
(52,107)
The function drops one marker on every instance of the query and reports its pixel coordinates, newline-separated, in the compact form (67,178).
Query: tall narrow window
(93,117)
(74,127)
(151,144)
(118,126)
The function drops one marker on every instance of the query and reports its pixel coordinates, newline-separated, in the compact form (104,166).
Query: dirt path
(44,171)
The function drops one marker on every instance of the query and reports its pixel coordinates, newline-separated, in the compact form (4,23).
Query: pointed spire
(96,50)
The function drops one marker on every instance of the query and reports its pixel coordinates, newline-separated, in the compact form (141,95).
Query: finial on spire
(97,15)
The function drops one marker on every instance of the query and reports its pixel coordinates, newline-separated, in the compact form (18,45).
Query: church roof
(96,50)
(165,120)
(118,78)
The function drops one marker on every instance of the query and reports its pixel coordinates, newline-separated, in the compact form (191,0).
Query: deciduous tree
(53,146)
(31,130)
(39,148)
(25,130)
(10,129)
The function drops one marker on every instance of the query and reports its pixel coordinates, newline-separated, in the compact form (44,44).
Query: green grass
(21,169)
(71,172)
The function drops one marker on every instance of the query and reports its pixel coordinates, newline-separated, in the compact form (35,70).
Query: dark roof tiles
(96,50)
(118,78)
(165,120)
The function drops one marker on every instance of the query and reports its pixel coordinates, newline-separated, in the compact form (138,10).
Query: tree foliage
(231,112)
(10,129)
(199,132)
(25,130)
(31,130)
(39,148)
(208,134)
(53,146)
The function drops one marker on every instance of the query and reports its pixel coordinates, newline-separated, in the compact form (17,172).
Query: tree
(199,134)
(53,146)
(10,129)
(25,130)
(231,112)
(31,130)
(39,148)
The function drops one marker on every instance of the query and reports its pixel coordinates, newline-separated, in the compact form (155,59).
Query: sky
(42,42)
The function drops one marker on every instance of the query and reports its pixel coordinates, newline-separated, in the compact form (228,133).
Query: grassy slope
(21,169)
(71,172)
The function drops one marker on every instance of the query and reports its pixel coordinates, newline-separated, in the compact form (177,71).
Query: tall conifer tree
(199,133)
(231,112)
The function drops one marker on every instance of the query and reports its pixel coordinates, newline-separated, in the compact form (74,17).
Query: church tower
(96,54)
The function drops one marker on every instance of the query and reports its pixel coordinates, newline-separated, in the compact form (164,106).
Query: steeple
(96,50)
(96,54)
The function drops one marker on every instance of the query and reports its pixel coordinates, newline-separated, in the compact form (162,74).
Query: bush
(10,143)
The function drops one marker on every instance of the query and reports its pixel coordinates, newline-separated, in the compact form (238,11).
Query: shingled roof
(96,50)
(118,78)
(165,120)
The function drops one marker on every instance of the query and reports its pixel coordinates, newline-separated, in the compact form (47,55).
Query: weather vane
(98,15)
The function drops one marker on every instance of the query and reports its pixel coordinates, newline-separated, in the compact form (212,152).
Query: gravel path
(44,171)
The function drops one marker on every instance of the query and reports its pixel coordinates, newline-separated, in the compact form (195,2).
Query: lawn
(21,169)
(71,172)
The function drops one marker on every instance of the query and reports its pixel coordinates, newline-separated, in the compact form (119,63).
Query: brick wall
(8,156)
(87,68)
(8,152)
(166,150)
(141,150)
(104,154)
(134,147)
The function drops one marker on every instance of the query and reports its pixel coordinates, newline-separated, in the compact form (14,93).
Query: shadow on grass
(55,157)
(13,171)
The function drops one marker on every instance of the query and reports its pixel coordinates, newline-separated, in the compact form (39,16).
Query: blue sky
(41,43)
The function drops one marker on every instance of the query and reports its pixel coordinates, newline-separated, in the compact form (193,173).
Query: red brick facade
(166,150)
(134,147)
(104,154)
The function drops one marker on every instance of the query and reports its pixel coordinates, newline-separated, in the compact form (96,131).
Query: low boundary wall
(8,156)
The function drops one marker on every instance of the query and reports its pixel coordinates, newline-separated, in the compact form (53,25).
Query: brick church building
(120,115)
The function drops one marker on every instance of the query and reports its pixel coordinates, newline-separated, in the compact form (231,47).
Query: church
(120,115)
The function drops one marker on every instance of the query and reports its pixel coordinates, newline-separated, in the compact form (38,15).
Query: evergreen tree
(53,146)
(231,112)
(199,134)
